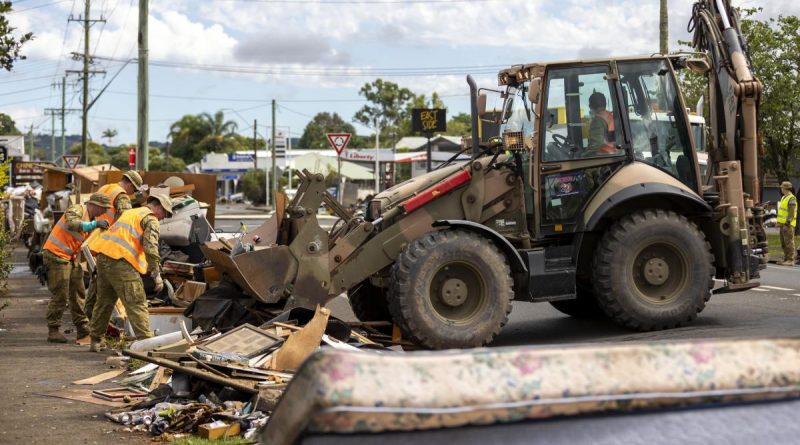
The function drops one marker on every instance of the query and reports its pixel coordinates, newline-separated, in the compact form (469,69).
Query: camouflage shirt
(122,203)
(150,243)
(73,217)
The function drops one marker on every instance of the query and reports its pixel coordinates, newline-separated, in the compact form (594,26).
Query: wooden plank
(82,395)
(99,377)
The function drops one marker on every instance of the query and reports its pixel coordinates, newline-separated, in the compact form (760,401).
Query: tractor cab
(578,123)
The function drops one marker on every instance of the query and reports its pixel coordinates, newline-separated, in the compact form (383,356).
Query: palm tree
(217,125)
(110,133)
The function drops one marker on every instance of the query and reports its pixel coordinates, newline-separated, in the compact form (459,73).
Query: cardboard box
(218,430)
(188,292)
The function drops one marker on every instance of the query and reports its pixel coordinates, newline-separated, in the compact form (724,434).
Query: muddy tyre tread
(405,296)
(368,302)
(606,268)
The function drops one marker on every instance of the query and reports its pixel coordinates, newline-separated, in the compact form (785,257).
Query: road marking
(776,288)
(758,289)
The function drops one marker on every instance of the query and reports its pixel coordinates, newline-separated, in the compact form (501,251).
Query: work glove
(103,224)
(158,282)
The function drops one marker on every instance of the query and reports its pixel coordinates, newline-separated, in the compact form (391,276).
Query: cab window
(581,118)
(659,131)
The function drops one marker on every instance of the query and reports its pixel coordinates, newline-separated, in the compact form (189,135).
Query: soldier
(126,251)
(601,128)
(118,195)
(64,273)
(787,221)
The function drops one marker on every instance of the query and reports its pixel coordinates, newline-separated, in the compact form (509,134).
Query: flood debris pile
(223,384)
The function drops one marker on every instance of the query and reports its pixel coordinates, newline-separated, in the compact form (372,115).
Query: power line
(38,6)
(358,2)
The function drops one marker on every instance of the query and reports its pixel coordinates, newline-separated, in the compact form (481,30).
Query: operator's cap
(164,201)
(100,200)
(172,182)
(786,185)
(135,179)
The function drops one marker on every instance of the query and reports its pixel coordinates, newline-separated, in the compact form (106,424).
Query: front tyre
(653,270)
(451,289)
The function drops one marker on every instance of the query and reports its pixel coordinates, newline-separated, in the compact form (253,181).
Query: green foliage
(110,133)
(7,125)
(314,133)
(96,153)
(388,106)
(10,45)
(195,135)
(6,249)
(460,125)
(254,186)
(775,51)
(167,164)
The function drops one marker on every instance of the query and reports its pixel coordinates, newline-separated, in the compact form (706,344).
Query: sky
(309,56)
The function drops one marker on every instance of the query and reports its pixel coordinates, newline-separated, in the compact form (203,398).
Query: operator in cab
(601,128)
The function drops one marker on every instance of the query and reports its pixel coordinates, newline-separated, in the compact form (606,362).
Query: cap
(99,199)
(172,182)
(163,200)
(135,179)
(786,185)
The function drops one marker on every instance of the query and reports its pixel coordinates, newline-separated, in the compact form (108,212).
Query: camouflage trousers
(117,279)
(787,243)
(65,282)
(91,296)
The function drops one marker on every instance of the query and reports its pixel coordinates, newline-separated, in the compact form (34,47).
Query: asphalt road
(771,310)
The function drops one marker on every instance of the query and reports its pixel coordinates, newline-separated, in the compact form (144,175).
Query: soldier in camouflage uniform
(64,273)
(128,250)
(118,194)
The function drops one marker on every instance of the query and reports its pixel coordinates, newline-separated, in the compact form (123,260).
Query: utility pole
(377,163)
(61,113)
(142,105)
(87,22)
(255,145)
(52,136)
(271,197)
(664,28)
(30,137)
(63,104)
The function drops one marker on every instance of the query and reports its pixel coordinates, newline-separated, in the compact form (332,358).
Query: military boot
(97,345)
(83,331)
(55,336)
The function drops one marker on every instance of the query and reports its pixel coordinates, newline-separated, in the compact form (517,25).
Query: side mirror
(699,66)
(534,90)
(481,104)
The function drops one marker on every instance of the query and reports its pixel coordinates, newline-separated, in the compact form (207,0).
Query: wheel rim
(660,273)
(457,293)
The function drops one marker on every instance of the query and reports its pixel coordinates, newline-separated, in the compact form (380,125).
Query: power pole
(52,137)
(377,163)
(30,137)
(255,145)
(664,28)
(271,197)
(61,113)
(87,22)
(142,105)
(63,104)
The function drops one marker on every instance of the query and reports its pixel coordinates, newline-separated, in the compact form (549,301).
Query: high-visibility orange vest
(111,191)
(123,240)
(63,242)
(608,147)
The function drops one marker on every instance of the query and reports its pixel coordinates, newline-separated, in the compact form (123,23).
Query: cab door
(582,142)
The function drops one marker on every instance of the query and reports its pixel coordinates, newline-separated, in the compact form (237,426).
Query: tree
(254,186)
(774,47)
(195,135)
(388,105)
(167,164)
(217,125)
(110,133)
(96,153)
(314,133)
(7,125)
(418,102)
(460,125)
(10,45)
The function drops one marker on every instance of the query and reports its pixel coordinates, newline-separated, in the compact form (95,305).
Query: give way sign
(338,141)
(71,160)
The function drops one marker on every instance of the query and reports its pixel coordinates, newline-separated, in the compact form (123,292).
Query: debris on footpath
(218,384)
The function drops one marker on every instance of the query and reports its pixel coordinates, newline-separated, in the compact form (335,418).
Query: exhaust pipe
(473,101)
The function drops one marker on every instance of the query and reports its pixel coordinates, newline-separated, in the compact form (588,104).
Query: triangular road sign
(338,141)
(71,160)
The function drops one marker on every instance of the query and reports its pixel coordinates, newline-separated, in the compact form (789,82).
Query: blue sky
(309,55)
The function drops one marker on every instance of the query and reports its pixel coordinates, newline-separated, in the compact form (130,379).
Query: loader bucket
(263,274)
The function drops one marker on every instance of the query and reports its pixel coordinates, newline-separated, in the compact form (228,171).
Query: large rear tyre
(369,302)
(451,289)
(653,270)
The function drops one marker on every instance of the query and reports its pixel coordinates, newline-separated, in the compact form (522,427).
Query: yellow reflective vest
(63,242)
(783,210)
(123,240)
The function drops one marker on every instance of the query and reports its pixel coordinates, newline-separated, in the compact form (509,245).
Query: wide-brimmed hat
(100,200)
(164,200)
(786,185)
(134,178)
